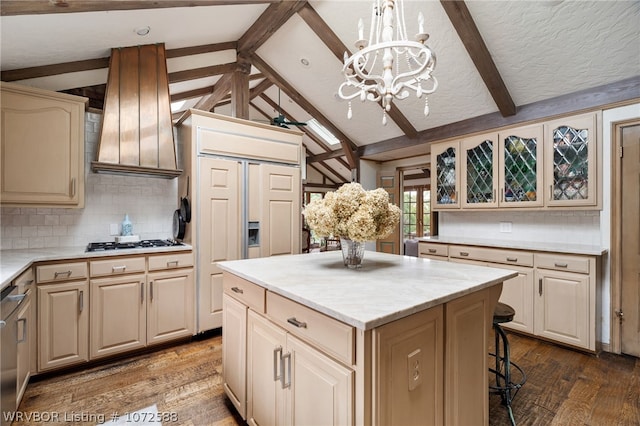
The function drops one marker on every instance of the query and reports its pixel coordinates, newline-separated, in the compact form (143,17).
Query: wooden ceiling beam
(337,47)
(314,167)
(462,21)
(260,88)
(40,7)
(220,90)
(267,24)
(195,73)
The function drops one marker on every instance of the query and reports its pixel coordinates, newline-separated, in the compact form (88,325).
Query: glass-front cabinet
(480,171)
(570,170)
(521,159)
(446,180)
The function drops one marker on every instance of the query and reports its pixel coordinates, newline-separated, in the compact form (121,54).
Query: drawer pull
(172,263)
(28,282)
(464,253)
(118,268)
(277,354)
(81,300)
(540,286)
(141,292)
(283,381)
(237,290)
(151,291)
(512,259)
(65,273)
(24,330)
(432,250)
(561,265)
(297,323)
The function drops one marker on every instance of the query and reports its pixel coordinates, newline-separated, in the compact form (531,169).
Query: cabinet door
(521,159)
(479,174)
(319,390)
(266,344)
(118,315)
(42,164)
(280,213)
(445,161)
(562,307)
(26,328)
(219,233)
(170,305)
(570,162)
(518,293)
(63,324)
(234,351)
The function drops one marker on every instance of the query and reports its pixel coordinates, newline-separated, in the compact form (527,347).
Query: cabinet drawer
(170,261)
(244,291)
(563,263)
(119,266)
(61,272)
(24,281)
(508,257)
(332,336)
(433,249)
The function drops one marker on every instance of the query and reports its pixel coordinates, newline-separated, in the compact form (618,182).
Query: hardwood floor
(564,387)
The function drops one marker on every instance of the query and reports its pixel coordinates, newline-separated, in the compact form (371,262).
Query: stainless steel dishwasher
(10,301)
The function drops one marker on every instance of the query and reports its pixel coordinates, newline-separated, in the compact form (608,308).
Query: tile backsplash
(149,202)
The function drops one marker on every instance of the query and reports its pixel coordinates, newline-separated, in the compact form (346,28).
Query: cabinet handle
(172,263)
(151,291)
(512,259)
(81,300)
(494,196)
(28,282)
(464,253)
(432,250)
(561,265)
(550,192)
(277,354)
(141,292)
(24,330)
(283,381)
(73,187)
(118,268)
(237,290)
(297,323)
(502,195)
(66,273)
(540,286)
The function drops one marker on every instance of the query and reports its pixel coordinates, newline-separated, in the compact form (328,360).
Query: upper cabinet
(570,161)
(42,146)
(552,164)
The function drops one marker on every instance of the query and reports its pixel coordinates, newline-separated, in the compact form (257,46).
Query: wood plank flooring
(564,387)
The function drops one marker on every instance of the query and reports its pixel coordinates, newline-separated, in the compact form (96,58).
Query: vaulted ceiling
(498,63)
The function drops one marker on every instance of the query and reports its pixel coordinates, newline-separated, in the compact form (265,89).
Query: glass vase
(352,252)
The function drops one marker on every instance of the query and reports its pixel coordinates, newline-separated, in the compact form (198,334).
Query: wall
(150,203)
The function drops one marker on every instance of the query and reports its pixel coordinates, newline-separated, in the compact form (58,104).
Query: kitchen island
(402,340)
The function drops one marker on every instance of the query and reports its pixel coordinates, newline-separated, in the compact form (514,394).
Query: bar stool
(505,385)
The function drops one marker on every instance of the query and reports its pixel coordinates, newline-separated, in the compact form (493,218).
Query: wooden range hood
(137,132)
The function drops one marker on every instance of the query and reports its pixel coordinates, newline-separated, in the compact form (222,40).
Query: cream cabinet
(42,148)
(26,337)
(445,161)
(246,190)
(234,352)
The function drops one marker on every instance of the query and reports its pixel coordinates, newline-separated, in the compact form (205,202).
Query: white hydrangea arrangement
(353,213)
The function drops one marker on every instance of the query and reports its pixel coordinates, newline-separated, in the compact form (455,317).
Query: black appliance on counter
(112,245)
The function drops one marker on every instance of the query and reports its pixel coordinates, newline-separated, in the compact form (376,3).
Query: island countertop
(386,288)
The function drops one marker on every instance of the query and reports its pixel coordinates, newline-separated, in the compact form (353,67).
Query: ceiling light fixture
(372,74)
(143,31)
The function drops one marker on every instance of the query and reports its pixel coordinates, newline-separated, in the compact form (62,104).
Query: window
(416,212)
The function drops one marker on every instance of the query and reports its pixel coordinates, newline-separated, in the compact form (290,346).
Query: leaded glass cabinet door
(479,171)
(570,163)
(445,160)
(521,159)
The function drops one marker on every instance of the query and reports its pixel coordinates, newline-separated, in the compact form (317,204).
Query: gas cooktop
(112,245)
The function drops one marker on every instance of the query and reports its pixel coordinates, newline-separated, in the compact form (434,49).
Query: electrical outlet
(414,369)
(113,229)
(505,226)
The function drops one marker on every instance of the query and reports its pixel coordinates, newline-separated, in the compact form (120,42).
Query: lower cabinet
(234,351)
(170,306)
(291,383)
(26,344)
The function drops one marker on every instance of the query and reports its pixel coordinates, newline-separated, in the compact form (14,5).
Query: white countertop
(386,288)
(14,262)
(568,248)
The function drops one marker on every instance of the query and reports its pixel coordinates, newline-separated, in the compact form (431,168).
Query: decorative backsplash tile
(149,202)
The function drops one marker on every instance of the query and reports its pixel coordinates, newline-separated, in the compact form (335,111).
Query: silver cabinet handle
(501,195)
(283,381)
(28,282)
(73,187)
(81,300)
(3,324)
(237,290)
(540,286)
(432,250)
(550,192)
(17,297)
(297,323)
(512,259)
(141,292)
(118,268)
(277,354)
(464,253)
(561,265)
(151,291)
(494,196)
(65,273)
(24,330)
(172,263)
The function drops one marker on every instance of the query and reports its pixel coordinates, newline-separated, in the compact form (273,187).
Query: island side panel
(468,321)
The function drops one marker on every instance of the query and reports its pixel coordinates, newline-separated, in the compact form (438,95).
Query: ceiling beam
(40,7)
(267,24)
(462,21)
(260,88)
(621,92)
(337,47)
(195,73)
(220,90)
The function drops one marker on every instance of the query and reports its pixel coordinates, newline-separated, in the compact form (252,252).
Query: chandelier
(388,66)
